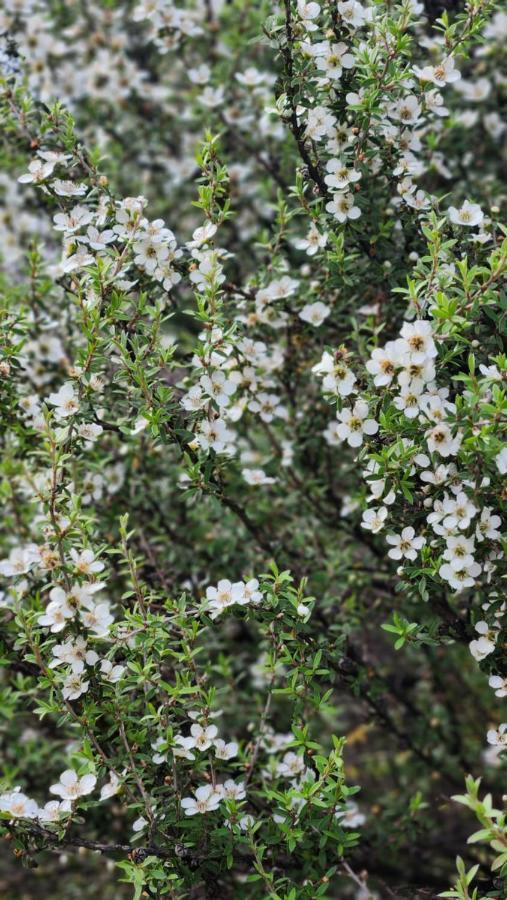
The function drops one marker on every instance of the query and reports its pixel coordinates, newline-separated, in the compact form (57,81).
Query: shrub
(253,409)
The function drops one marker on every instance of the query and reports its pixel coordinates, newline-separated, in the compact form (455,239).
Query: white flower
(97,618)
(69,188)
(418,200)
(410,399)
(98,240)
(330,434)
(469,214)
(459,552)
(256,477)
(340,176)
(437,477)
(499,685)
(417,342)
(89,431)
(111,787)
(77,260)
(337,377)
(308,11)
(498,736)
(211,97)
(414,371)
(200,75)
(74,686)
(183,748)
(407,110)
(74,654)
(278,290)
(251,593)
(65,401)
(377,485)
(441,74)
(161,745)
(475,91)
(490,372)
(354,424)
(487,526)
(405,544)
(194,399)
(111,673)
(202,235)
(53,810)
(70,786)
(251,77)
(267,405)
(20,560)
(81,595)
(459,511)
(230,790)
(18,805)
(292,765)
(225,751)
(320,122)
(374,519)
(37,171)
(222,596)
(334,58)
(72,221)
(440,440)
(383,363)
(486,643)
(30,405)
(313,242)
(206,800)
(435,405)
(203,737)
(150,253)
(459,579)
(244,823)
(435,104)
(57,611)
(218,387)
(139,825)
(314,313)
(341,206)
(140,425)
(85,562)
(353,14)
(350,817)
(501,461)
(214,435)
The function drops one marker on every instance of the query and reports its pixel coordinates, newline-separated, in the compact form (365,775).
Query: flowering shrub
(253,427)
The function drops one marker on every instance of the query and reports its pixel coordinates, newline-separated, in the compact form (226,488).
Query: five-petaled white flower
(405,544)
(498,736)
(374,519)
(203,736)
(222,596)
(315,313)
(342,207)
(206,799)
(18,805)
(469,214)
(485,644)
(65,401)
(354,424)
(71,786)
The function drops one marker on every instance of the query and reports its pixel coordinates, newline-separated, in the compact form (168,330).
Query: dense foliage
(252,323)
